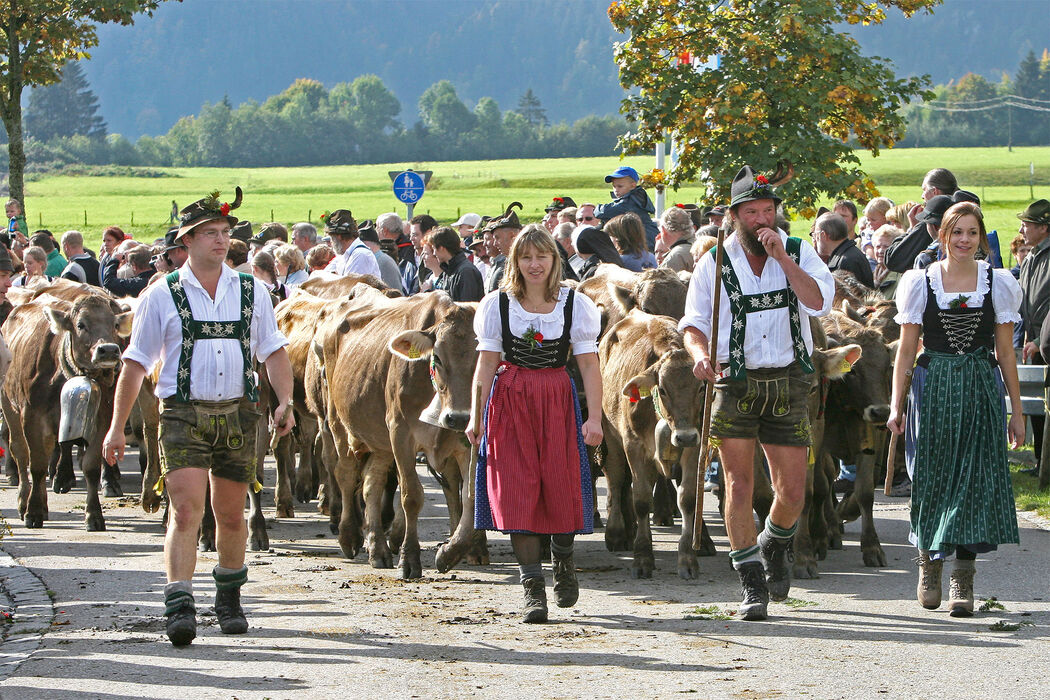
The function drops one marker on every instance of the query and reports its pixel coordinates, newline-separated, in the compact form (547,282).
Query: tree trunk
(16,151)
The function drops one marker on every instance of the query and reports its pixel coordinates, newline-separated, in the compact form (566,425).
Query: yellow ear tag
(845,366)
(413,352)
(644,393)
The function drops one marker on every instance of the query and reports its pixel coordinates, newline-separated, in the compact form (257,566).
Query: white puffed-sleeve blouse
(911,294)
(586,322)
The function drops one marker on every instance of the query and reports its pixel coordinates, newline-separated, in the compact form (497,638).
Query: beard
(749,240)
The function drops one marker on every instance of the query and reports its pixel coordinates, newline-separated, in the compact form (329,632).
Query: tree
(786,86)
(529,107)
(66,108)
(39,37)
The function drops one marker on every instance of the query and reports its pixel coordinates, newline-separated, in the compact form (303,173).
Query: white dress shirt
(217,367)
(358,259)
(767,339)
(586,322)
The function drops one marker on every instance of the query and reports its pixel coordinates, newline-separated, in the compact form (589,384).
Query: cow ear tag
(644,393)
(635,394)
(845,366)
(413,352)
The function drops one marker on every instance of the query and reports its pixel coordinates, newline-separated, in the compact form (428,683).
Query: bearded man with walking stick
(769,285)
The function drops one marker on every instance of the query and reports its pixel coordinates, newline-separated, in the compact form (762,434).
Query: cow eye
(437,360)
(81,326)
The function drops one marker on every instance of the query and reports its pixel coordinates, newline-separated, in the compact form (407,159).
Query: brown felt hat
(508,219)
(340,223)
(1038,212)
(208,209)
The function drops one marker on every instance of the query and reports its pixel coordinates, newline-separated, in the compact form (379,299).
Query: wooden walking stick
(891,453)
(709,395)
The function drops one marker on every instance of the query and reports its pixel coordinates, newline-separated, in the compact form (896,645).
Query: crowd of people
(932,257)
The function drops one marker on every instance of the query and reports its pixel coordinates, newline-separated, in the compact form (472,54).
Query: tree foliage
(39,37)
(787,86)
(66,108)
(530,107)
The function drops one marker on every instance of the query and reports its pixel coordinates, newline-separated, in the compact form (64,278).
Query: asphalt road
(322,626)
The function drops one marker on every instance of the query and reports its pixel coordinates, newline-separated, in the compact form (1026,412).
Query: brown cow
(329,286)
(382,368)
(52,341)
(648,384)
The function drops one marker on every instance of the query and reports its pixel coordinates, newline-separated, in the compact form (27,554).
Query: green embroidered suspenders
(193,330)
(741,305)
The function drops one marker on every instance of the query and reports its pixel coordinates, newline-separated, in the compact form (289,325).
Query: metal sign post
(409,186)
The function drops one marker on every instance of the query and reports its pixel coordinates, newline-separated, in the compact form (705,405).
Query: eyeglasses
(586,218)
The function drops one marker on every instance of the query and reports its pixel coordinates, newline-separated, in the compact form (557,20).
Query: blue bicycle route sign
(408,187)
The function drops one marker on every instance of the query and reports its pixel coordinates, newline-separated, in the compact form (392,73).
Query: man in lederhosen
(771,284)
(204,323)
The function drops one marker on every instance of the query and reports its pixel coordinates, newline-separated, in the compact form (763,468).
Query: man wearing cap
(930,217)
(466,224)
(553,211)
(204,324)
(242,232)
(504,229)
(271,231)
(717,215)
(629,197)
(771,285)
(174,251)
(1035,283)
(352,256)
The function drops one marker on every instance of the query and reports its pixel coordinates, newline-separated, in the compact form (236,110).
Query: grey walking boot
(928,591)
(182,618)
(753,591)
(960,588)
(228,600)
(535,609)
(778,555)
(566,587)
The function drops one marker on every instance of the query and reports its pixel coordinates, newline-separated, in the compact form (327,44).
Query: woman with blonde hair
(533,476)
(291,265)
(35,261)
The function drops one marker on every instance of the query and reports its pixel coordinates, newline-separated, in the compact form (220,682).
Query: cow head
(93,326)
(660,291)
(676,393)
(449,347)
(866,389)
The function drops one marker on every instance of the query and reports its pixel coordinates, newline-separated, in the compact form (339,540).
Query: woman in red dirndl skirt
(533,476)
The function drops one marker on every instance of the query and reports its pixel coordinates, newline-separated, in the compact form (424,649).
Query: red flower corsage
(680,205)
(959,302)
(225,208)
(533,336)
(761,179)
(559,200)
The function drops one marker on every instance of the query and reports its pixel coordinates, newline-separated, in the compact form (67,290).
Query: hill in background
(148,75)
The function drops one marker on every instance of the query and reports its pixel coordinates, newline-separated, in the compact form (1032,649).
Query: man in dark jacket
(82,267)
(459,277)
(831,239)
(138,259)
(900,257)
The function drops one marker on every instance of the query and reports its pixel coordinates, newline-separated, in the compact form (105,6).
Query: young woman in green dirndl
(955,423)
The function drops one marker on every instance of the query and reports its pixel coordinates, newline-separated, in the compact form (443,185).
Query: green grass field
(141,205)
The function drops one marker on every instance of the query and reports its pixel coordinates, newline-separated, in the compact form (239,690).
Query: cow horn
(785,171)
(510,206)
(237,200)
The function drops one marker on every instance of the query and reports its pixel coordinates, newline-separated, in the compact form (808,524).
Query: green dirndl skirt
(961,489)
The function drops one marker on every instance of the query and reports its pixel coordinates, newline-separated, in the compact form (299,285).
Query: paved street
(322,626)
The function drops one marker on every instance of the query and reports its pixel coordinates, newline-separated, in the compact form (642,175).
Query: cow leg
(805,557)
(111,479)
(392,519)
(258,538)
(615,468)
(870,547)
(596,471)
(306,471)
(688,566)
(10,467)
(206,541)
(64,478)
(376,470)
(345,476)
(411,502)
(643,474)
(149,408)
(285,455)
(663,502)
(19,447)
(465,539)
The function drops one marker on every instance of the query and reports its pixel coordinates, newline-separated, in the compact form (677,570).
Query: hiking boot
(535,600)
(753,591)
(566,587)
(960,588)
(778,555)
(928,591)
(228,611)
(901,489)
(182,620)
(843,486)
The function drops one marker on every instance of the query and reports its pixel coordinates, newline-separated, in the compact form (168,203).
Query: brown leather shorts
(215,435)
(770,404)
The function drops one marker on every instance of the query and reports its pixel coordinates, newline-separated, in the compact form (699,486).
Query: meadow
(141,205)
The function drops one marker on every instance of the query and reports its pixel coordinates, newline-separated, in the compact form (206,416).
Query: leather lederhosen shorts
(770,404)
(215,435)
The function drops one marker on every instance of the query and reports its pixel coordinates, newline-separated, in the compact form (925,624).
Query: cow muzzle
(106,355)
(877,413)
(455,420)
(685,438)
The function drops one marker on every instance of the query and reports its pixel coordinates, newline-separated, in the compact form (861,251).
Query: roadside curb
(32,613)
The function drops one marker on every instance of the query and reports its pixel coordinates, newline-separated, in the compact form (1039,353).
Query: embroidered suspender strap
(194,330)
(740,305)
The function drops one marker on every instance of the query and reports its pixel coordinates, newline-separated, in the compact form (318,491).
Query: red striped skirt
(533,474)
